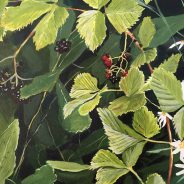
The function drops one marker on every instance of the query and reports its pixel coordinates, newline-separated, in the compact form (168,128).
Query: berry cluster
(113,72)
(62,46)
(9,87)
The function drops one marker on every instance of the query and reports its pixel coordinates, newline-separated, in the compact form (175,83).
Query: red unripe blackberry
(107,60)
(108,74)
(124,73)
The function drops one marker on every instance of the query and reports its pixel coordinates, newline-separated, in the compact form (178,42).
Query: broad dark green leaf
(42,83)
(43,175)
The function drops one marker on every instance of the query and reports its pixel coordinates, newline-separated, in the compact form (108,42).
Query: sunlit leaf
(120,135)
(167,89)
(145,122)
(126,104)
(47,29)
(18,17)
(133,82)
(155,179)
(92,28)
(8,145)
(123,14)
(67,166)
(96,3)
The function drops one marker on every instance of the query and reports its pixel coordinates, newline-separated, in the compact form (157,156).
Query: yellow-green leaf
(18,17)
(123,14)
(132,84)
(47,29)
(92,28)
(97,4)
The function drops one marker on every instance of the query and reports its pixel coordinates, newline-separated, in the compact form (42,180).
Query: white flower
(180,166)
(179,148)
(163,118)
(182,88)
(179,43)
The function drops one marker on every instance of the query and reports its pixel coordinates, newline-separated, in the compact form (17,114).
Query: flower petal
(180,173)
(179,165)
(175,44)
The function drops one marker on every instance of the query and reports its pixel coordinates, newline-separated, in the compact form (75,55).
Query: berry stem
(76,9)
(138,46)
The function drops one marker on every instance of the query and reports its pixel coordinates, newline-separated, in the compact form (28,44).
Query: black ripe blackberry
(114,79)
(10,88)
(62,46)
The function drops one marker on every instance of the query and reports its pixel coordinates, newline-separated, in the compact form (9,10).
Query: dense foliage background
(36,83)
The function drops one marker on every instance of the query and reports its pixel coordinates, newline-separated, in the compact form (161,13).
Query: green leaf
(43,175)
(76,123)
(25,14)
(166,28)
(120,135)
(97,4)
(171,64)
(146,32)
(92,28)
(3,4)
(42,83)
(142,57)
(145,123)
(155,179)
(105,158)
(109,175)
(89,106)
(131,155)
(8,145)
(126,104)
(123,14)
(147,1)
(133,82)
(47,29)
(67,166)
(178,123)
(72,105)
(167,89)
(84,84)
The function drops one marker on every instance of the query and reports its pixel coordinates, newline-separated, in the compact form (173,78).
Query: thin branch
(171,149)
(138,46)
(76,9)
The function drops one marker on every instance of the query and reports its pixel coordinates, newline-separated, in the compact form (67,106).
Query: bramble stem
(171,149)
(136,175)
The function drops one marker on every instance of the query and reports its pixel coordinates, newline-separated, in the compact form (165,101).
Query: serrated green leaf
(47,28)
(109,175)
(142,57)
(89,106)
(132,84)
(126,104)
(92,28)
(75,122)
(8,145)
(42,83)
(131,155)
(155,179)
(43,175)
(167,89)
(120,135)
(25,14)
(146,32)
(70,106)
(178,123)
(97,4)
(123,14)
(83,84)
(3,4)
(67,166)
(105,158)
(171,64)
(145,123)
